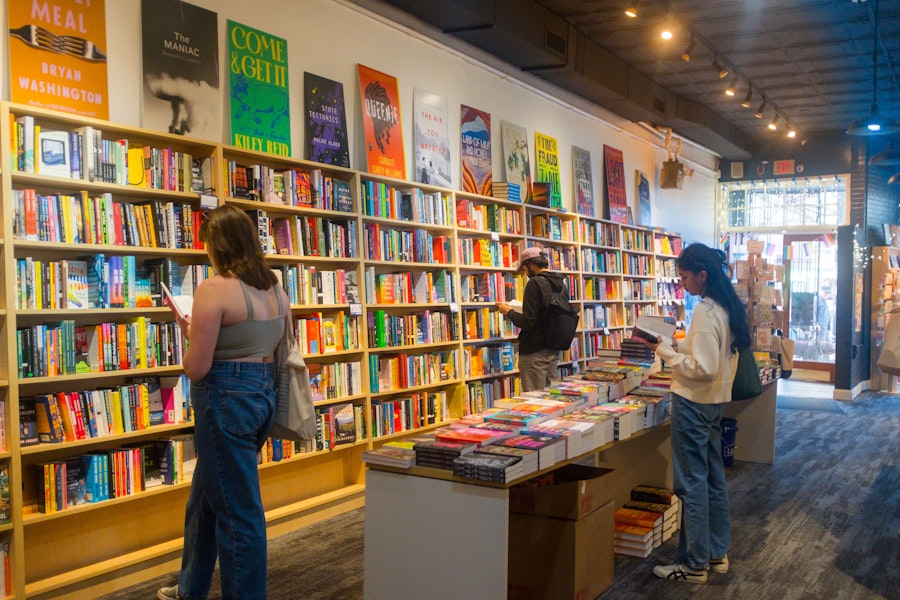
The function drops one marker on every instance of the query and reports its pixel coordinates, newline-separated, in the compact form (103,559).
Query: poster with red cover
(617,201)
(381,120)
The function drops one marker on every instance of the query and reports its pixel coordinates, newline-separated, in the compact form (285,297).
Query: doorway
(810,268)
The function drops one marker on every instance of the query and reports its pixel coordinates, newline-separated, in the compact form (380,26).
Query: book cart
(396,310)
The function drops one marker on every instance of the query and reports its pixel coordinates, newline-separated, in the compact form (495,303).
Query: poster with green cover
(260,100)
(547,162)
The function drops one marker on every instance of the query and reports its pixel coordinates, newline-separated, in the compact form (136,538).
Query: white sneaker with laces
(719,565)
(678,572)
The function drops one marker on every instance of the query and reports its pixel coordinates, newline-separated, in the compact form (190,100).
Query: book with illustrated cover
(380,97)
(614,175)
(584,181)
(181,90)
(53,153)
(343,425)
(326,121)
(390,456)
(517,168)
(260,106)
(28,427)
(475,137)
(488,467)
(431,138)
(546,162)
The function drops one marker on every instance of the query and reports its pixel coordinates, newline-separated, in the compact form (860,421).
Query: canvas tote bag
(295,417)
(889,360)
(746,379)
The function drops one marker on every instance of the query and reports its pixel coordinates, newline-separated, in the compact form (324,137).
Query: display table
(432,536)
(755,441)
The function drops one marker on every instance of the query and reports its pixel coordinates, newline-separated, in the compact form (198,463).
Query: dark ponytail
(698,257)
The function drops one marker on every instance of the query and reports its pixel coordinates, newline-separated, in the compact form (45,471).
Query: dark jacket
(534,306)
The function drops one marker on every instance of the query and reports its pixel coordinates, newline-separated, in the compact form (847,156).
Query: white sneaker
(680,573)
(168,593)
(719,565)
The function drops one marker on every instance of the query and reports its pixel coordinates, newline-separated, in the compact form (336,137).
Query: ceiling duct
(523,33)
(530,37)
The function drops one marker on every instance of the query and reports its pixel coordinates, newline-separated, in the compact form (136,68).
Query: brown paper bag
(786,358)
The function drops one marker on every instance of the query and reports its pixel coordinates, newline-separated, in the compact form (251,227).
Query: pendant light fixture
(886,158)
(874,123)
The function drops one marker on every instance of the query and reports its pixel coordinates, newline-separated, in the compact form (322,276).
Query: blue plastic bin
(729,435)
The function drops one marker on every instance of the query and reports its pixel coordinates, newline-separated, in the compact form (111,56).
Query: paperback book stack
(551,449)
(528,462)
(579,435)
(604,424)
(654,408)
(390,456)
(592,392)
(658,500)
(503,190)
(440,454)
(638,532)
(485,466)
(471,435)
(629,418)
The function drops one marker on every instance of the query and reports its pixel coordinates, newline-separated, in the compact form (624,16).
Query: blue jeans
(537,369)
(699,476)
(234,408)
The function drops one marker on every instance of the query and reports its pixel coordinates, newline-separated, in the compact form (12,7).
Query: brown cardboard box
(557,559)
(578,490)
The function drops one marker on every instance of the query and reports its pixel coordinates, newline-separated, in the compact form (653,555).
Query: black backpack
(561,318)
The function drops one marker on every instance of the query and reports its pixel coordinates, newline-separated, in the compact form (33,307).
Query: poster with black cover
(326,121)
(181,82)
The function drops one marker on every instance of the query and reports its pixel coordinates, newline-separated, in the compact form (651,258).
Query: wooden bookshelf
(447,256)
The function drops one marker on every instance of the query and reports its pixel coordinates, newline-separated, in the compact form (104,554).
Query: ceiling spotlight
(792,133)
(631,11)
(666,34)
(874,124)
(895,178)
(759,111)
(746,102)
(686,55)
(774,124)
(730,90)
(718,67)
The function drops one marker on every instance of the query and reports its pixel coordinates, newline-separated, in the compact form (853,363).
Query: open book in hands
(181,305)
(653,329)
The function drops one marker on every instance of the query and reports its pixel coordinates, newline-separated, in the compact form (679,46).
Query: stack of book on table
(486,466)
(658,500)
(440,454)
(392,454)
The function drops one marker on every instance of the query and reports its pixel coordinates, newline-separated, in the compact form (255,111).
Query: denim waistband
(238,368)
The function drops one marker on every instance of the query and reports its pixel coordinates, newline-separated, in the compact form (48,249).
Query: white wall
(329,38)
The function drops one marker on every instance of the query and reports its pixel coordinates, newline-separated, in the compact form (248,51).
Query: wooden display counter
(756,425)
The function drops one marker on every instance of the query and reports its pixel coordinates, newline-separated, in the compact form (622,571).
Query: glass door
(810,266)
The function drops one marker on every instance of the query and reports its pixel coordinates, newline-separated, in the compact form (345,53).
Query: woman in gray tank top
(238,318)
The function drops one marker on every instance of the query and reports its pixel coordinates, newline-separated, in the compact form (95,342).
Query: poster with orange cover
(381,120)
(57,56)
(617,200)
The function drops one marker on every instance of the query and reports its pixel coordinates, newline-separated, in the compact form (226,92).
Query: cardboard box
(557,559)
(578,490)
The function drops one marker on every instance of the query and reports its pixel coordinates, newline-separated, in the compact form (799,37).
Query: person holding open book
(703,368)
(236,321)
(537,362)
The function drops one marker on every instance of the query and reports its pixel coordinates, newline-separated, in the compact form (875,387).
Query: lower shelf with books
(123,551)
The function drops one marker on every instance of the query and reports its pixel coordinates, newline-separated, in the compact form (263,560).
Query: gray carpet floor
(823,522)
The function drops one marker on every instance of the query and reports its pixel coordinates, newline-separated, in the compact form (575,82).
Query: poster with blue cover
(260,99)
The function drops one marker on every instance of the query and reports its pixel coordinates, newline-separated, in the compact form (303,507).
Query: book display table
(756,425)
(432,536)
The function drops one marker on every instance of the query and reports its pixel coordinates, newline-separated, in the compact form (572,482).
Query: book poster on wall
(546,150)
(57,56)
(432,138)
(380,98)
(181,91)
(584,181)
(477,165)
(326,121)
(260,98)
(616,198)
(514,141)
(643,196)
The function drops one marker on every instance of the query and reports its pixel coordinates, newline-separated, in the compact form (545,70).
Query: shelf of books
(96,217)
(490,238)
(393,287)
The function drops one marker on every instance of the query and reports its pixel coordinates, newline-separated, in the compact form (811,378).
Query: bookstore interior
(394,268)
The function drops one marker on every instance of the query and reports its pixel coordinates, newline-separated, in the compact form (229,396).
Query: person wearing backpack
(546,322)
